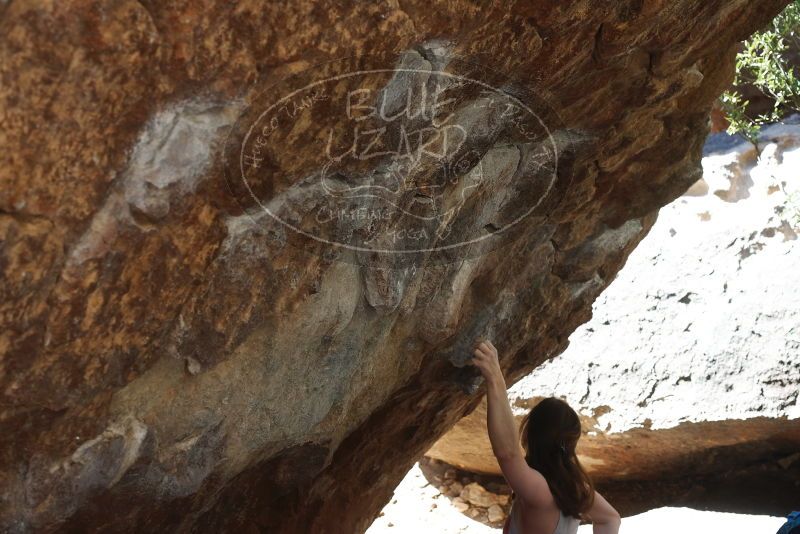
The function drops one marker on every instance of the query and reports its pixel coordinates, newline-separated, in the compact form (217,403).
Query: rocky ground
(430,500)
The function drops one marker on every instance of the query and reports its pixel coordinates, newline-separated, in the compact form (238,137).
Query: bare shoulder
(528,484)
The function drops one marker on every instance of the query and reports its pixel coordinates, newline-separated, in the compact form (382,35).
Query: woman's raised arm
(527,483)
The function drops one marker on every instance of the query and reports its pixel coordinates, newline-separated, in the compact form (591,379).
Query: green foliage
(763,64)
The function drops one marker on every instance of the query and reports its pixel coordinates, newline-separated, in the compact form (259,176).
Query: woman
(552,492)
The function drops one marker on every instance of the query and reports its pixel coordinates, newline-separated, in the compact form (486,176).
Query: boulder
(477,495)
(687,376)
(496,514)
(246,246)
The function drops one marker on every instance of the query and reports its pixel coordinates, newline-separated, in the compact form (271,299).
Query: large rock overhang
(176,355)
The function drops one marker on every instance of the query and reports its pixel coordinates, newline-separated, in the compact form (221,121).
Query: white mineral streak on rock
(168,161)
(99,450)
(95,465)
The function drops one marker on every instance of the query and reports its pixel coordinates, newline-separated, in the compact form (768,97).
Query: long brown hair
(550,433)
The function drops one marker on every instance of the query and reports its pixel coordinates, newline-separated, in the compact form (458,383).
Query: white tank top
(566,525)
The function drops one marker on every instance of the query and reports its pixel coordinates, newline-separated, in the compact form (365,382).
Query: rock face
(226,304)
(688,373)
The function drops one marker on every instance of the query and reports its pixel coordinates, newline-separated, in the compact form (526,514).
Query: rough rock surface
(172,359)
(689,371)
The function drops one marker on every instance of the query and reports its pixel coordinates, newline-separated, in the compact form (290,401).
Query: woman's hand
(485,359)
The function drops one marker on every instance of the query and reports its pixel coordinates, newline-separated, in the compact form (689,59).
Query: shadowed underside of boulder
(172,358)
